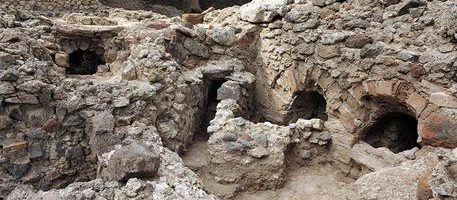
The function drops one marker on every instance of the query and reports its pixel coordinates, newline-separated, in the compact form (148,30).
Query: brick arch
(435,127)
(401,91)
(296,80)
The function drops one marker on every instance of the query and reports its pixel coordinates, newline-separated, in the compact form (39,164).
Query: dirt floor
(316,182)
(322,182)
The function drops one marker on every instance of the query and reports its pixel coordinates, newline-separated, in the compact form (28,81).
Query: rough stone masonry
(98,102)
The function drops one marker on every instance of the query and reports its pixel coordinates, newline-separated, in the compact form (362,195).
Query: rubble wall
(366,58)
(55,127)
(51,5)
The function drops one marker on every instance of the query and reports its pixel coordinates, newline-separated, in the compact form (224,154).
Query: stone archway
(435,126)
(306,105)
(396,131)
(387,122)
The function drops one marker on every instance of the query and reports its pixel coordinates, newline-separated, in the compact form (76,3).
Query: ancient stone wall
(178,4)
(56,126)
(51,5)
(160,6)
(397,58)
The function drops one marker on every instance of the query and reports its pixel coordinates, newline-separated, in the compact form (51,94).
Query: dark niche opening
(307,105)
(210,101)
(395,131)
(84,62)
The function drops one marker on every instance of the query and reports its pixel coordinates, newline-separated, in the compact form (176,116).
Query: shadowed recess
(84,62)
(306,105)
(395,131)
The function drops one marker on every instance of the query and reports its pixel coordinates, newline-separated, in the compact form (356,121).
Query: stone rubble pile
(253,155)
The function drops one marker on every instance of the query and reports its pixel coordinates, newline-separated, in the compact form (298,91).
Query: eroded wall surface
(52,5)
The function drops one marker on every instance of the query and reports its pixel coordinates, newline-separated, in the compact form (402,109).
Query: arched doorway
(388,123)
(396,131)
(306,105)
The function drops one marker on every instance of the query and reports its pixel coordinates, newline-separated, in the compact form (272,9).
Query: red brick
(438,130)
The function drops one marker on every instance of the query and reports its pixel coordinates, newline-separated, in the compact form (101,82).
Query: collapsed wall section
(55,127)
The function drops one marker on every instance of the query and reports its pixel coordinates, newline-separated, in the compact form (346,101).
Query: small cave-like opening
(396,131)
(210,102)
(306,105)
(84,62)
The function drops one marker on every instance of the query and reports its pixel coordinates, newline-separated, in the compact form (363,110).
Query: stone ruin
(280,99)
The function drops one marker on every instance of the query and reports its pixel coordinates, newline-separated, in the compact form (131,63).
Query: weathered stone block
(222,35)
(385,88)
(370,87)
(443,99)
(6,88)
(196,48)
(62,59)
(417,102)
(229,90)
(260,11)
(357,41)
(357,91)
(5,122)
(438,129)
(132,161)
(375,158)
(22,98)
(328,51)
(347,118)
(370,51)
(101,132)
(16,146)
(193,18)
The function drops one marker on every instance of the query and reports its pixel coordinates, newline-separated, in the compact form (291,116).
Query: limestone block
(193,18)
(385,88)
(417,102)
(259,11)
(222,35)
(375,158)
(328,51)
(443,99)
(6,88)
(132,161)
(62,59)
